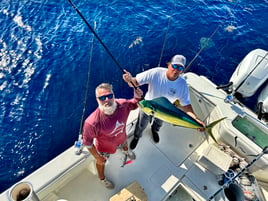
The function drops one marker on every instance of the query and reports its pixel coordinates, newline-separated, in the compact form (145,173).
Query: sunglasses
(179,68)
(103,98)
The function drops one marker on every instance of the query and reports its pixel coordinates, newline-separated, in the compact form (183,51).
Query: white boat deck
(169,170)
(154,168)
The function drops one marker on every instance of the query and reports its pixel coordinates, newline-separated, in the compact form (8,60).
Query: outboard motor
(249,75)
(262,106)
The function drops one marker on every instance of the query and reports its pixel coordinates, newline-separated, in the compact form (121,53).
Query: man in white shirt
(162,82)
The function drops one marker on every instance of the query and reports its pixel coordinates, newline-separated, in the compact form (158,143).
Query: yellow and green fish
(164,110)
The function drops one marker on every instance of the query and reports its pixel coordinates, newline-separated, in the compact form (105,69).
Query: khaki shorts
(107,155)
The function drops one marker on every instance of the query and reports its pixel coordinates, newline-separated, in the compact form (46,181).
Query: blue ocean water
(45,60)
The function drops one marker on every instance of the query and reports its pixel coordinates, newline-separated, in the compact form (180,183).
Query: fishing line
(207,42)
(79,144)
(96,35)
(87,84)
(166,33)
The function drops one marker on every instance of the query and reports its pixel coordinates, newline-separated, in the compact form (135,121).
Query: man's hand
(100,160)
(202,123)
(127,76)
(138,94)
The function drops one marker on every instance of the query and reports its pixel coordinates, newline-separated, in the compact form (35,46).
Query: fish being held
(164,110)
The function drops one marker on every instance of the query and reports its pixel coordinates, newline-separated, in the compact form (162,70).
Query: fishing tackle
(230,181)
(102,43)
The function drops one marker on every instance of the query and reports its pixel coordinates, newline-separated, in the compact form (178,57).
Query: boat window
(255,131)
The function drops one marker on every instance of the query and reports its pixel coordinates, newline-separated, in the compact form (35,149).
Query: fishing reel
(232,96)
(78,145)
(228,88)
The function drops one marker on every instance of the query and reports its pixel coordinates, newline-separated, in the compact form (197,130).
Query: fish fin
(210,126)
(206,136)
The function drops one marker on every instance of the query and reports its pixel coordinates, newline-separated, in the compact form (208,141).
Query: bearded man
(105,129)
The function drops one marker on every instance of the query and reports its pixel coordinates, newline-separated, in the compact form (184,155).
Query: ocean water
(47,54)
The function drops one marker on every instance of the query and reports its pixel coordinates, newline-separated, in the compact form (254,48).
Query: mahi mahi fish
(164,110)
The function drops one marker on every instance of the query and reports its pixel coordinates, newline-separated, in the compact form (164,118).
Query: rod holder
(22,191)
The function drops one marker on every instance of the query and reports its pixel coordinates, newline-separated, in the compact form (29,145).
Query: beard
(107,108)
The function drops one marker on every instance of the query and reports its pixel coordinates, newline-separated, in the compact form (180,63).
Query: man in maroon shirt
(105,128)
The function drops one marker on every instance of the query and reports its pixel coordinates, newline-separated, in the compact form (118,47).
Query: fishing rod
(202,48)
(209,39)
(264,151)
(79,143)
(102,43)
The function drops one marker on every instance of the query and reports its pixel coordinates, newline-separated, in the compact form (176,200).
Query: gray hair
(104,86)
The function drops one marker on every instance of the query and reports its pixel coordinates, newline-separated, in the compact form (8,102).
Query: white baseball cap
(179,60)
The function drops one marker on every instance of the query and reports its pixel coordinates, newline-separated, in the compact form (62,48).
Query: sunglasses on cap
(179,68)
(103,98)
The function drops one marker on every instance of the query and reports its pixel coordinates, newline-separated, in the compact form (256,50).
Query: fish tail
(211,125)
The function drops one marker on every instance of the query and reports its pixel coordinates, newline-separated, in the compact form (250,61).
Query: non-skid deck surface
(154,165)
